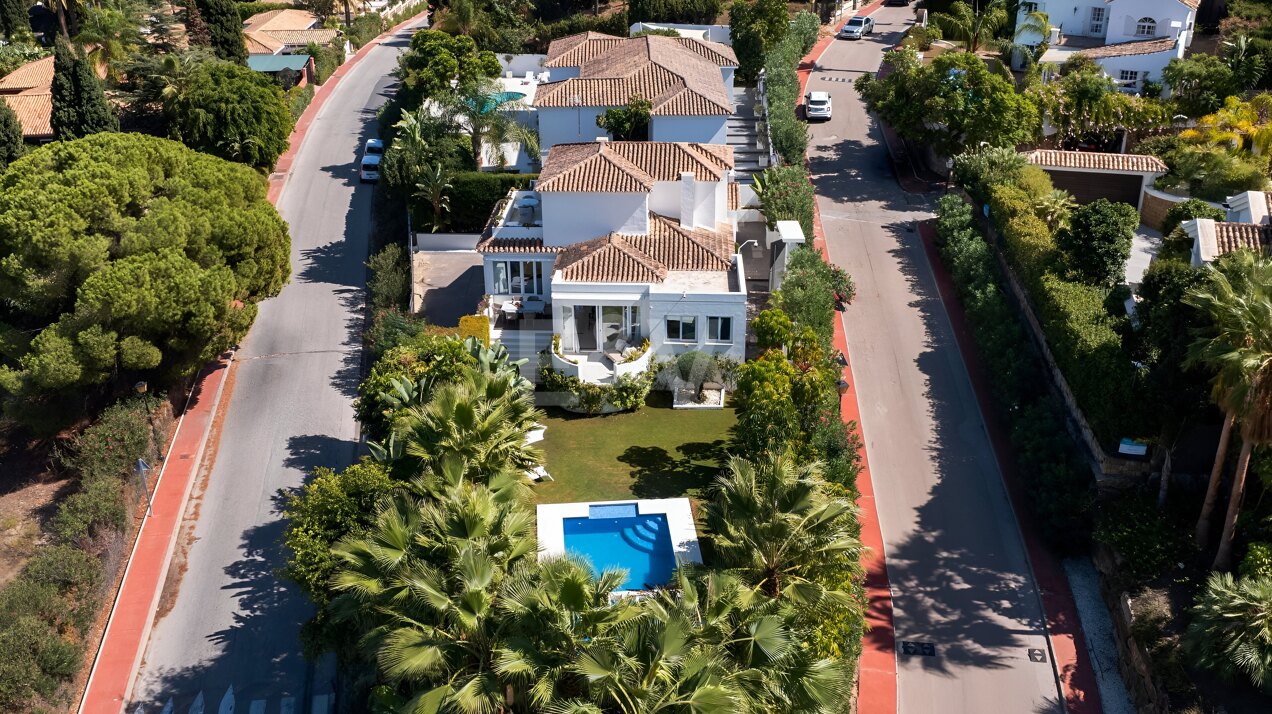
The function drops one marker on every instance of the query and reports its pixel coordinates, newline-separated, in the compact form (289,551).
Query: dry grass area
(22,514)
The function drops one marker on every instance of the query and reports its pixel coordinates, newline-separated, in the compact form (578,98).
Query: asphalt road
(234,621)
(960,577)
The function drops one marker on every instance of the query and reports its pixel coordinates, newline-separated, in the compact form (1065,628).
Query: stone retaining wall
(1133,661)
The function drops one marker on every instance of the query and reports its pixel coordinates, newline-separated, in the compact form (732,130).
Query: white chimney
(602,139)
(686,200)
(1053,37)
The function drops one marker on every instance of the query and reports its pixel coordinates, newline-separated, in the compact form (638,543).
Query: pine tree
(225,29)
(197,32)
(79,105)
(65,117)
(14,22)
(10,136)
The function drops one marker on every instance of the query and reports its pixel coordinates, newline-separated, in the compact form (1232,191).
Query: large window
(720,329)
(682,329)
(1146,27)
(1129,78)
(518,277)
(1098,15)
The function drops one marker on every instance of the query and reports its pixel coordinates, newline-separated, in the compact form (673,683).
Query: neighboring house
(285,32)
(688,81)
(287,70)
(28,92)
(1248,225)
(1090,175)
(618,243)
(1133,40)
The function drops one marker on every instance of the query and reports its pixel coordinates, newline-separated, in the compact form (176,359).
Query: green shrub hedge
(474,195)
(694,12)
(790,136)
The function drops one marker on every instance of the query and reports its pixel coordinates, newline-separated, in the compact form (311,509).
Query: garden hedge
(474,195)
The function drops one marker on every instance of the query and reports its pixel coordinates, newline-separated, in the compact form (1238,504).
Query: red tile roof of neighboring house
(1230,237)
(679,76)
(1093,160)
(37,74)
(35,113)
(266,33)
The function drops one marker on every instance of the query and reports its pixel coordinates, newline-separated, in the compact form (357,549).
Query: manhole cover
(1037,655)
(922,649)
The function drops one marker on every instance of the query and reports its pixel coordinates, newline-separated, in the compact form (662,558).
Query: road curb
(127,631)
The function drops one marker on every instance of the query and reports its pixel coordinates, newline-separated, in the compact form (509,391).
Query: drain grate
(922,649)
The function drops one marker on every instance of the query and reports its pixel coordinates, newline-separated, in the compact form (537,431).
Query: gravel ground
(1098,628)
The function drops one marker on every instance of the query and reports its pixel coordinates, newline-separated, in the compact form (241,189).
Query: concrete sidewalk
(133,612)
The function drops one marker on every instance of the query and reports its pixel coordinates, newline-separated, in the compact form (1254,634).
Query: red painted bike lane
(128,628)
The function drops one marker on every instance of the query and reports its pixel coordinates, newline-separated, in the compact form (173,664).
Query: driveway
(234,621)
(960,578)
(448,284)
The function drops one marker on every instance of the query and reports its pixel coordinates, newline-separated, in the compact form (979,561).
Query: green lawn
(655,452)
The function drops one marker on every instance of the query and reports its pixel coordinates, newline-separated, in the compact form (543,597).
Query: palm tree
(482,419)
(1238,125)
(1238,301)
(110,33)
(974,29)
(1055,207)
(1231,628)
(772,522)
(1247,65)
(434,186)
(482,110)
(423,586)
(1034,24)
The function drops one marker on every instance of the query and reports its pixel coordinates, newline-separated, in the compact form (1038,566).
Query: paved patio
(446,286)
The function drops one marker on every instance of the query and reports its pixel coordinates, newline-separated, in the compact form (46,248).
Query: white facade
(570,218)
(566,125)
(1114,22)
(703,130)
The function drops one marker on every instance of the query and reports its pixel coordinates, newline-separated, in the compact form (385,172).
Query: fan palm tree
(482,419)
(482,110)
(423,584)
(1231,628)
(772,522)
(1238,300)
(434,186)
(1238,125)
(1055,207)
(975,29)
(1034,24)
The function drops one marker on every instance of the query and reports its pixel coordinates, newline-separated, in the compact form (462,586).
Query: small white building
(1248,226)
(618,243)
(1133,40)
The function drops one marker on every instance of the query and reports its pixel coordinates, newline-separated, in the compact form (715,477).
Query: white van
(369,170)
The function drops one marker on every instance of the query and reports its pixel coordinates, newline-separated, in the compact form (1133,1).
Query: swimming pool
(619,536)
(647,538)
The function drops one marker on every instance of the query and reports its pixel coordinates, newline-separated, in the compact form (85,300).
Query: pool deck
(679,514)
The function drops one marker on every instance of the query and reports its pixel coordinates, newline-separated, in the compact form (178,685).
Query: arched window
(1146,27)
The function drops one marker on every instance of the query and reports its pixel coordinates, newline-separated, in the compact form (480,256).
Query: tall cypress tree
(10,136)
(79,105)
(65,119)
(95,112)
(226,29)
(14,22)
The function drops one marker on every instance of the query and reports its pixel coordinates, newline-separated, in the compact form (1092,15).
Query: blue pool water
(616,536)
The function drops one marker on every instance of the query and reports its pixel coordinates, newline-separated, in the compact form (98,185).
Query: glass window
(720,329)
(633,322)
(682,329)
(1129,76)
(1097,21)
(1146,27)
(501,277)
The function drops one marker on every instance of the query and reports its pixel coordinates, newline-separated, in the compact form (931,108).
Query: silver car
(857,28)
(817,105)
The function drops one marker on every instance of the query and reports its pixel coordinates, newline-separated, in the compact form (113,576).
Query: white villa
(688,81)
(1133,40)
(1248,226)
(616,244)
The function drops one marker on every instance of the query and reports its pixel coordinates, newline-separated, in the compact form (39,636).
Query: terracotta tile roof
(630,166)
(679,78)
(1135,47)
(1231,237)
(35,113)
(260,43)
(1116,163)
(514,245)
(1191,4)
(32,75)
(304,37)
(618,258)
(276,20)
(734,201)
